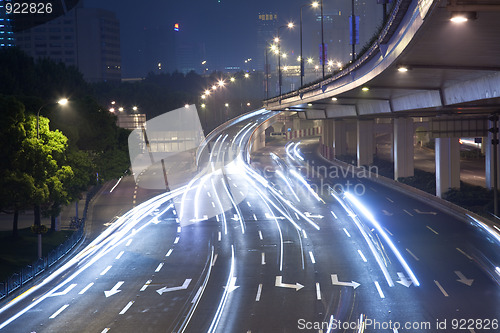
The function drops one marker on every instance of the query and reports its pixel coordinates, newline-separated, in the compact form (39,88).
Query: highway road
(279,241)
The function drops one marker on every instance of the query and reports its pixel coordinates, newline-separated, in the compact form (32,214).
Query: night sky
(227,28)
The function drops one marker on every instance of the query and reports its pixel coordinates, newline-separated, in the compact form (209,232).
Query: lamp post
(62,101)
(267,76)
(277,40)
(322,42)
(314,4)
(39,231)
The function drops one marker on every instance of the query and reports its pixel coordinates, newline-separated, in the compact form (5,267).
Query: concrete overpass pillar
(447,165)
(327,135)
(403,148)
(365,142)
(339,138)
(489,161)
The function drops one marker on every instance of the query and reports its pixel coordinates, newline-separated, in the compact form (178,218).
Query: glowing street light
(232,79)
(221,83)
(207,92)
(289,26)
(301,58)
(247,75)
(135,108)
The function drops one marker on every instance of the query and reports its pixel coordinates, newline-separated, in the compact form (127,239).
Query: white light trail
(384,235)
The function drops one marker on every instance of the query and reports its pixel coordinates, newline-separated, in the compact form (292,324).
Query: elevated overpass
(424,70)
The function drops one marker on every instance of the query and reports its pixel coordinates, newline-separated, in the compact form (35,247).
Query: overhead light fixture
(309,104)
(334,99)
(365,89)
(462,17)
(403,69)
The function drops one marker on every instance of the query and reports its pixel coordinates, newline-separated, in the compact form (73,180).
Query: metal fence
(17,280)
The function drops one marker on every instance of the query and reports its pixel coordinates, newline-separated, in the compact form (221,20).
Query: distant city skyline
(225,31)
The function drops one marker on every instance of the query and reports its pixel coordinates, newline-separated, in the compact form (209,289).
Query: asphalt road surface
(280,241)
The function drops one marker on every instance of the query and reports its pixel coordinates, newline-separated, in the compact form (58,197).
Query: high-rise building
(87,38)
(267,27)
(6,34)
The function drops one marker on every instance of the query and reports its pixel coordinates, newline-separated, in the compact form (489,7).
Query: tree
(43,159)
(16,186)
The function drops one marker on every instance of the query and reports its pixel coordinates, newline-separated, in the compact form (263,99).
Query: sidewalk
(26,219)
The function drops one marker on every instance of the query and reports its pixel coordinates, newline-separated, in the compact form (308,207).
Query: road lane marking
(297,216)
(106,330)
(120,255)
(441,288)
(106,270)
(219,236)
(59,311)
(248,203)
(362,256)
(148,282)
(195,298)
(263,258)
(259,293)
(179,229)
(374,190)
(318,292)
(465,254)
(159,267)
(209,195)
(414,256)
(169,253)
(254,217)
(129,242)
(312,257)
(260,235)
(86,288)
(335,216)
(213,205)
(407,212)
(215,259)
(242,194)
(386,213)
(347,233)
(434,231)
(176,240)
(304,233)
(380,292)
(390,233)
(389,199)
(125,309)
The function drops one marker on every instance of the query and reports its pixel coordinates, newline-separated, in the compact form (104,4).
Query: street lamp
(314,5)
(62,102)
(322,42)
(278,41)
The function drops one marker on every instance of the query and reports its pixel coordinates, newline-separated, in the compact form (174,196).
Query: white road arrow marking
(335,281)
(64,292)
(269,216)
(279,283)
(387,213)
(463,279)
(307,214)
(403,280)
(114,290)
(185,285)
(232,285)
(425,213)
(235,218)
